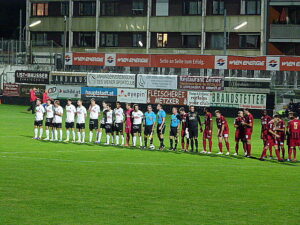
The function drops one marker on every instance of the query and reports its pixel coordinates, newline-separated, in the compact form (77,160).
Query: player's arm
(274,133)
(210,124)
(187,122)
(163,122)
(222,129)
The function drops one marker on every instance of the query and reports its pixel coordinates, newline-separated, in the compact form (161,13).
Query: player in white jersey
(102,124)
(71,112)
(137,117)
(49,120)
(39,118)
(94,110)
(80,125)
(109,121)
(57,121)
(119,123)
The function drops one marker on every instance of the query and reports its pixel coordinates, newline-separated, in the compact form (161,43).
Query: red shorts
(239,135)
(128,129)
(207,134)
(271,141)
(248,135)
(281,139)
(294,142)
(183,133)
(225,134)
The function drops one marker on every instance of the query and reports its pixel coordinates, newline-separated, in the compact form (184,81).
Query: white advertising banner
(63,92)
(157,81)
(111,80)
(199,98)
(132,95)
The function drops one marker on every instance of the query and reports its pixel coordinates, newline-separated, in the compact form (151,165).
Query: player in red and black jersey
(248,129)
(207,133)
(265,119)
(184,137)
(294,136)
(272,139)
(223,132)
(239,131)
(280,130)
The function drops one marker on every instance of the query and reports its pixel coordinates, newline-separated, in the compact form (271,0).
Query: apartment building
(147,26)
(283,27)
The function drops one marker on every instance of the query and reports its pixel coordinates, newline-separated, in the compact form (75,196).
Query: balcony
(284,33)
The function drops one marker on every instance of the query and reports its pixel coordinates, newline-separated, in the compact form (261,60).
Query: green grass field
(55,183)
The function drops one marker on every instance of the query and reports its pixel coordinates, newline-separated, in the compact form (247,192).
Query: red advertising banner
(11,90)
(88,59)
(290,63)
(167,97)
(183,61)
(201,83)
(134,60)
(246,63)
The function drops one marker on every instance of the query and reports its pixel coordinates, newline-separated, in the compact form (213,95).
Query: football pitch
(56,183)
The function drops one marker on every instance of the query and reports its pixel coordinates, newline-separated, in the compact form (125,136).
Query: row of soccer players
(113,123)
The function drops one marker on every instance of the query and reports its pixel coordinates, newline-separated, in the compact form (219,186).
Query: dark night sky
(9,17)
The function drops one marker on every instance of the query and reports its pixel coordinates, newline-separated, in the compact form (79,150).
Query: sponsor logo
(221,62)
(273,63)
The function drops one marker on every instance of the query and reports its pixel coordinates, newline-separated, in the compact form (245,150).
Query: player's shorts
(38,123)
(93,125)
(128,129)
(239,136)
(225,134)
(193,133)
(281,139)
(80,126)
(102,125)
(207,135)
(49,122)
(173,131)
(137,128)
(69,125)
(162,131)
(271,141)
(148,129)
(108,128)
(294,142)
(57,125)
(183,133)
(119,127)
(248,136)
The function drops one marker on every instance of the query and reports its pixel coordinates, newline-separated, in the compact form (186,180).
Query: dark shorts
(108,128)
(80,126)
(57,125)
(173,131)
(48,122)
(148,129)
(93,125)
(239,136)
(162,131)
(102,125)
(193,133)
(38,123)
(137,128)
(69,125)
(119,127)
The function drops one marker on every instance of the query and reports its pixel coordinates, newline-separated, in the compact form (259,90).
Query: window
(191,41)
(249,41)
(84,39)
(110,7)
(218,7)
(162,40)
(217,40)
(192,7)
(64,9)
(138,7)
(109,40)
(39,39)
(162,7)
(40,9)
(138,40)
(250,7)
(87,8)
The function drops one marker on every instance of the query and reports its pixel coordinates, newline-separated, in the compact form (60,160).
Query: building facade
(147,26)
(283,32)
